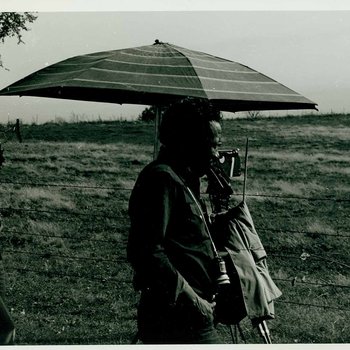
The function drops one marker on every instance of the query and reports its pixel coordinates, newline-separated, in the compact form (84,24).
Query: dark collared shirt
(168,241)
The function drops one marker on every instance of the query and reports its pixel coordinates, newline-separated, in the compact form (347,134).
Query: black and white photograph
(174,174)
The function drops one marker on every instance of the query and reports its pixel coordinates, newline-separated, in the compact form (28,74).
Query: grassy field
(64,196)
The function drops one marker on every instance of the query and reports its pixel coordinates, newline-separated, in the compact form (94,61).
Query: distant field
(64,196)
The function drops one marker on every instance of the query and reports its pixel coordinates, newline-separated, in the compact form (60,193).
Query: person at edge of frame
(168,246)
(7,327)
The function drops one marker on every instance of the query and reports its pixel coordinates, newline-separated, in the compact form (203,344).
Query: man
(169,246)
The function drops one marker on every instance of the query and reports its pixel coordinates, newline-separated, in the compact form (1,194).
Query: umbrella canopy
(159,74)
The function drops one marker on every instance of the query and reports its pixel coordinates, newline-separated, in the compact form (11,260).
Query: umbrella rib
(186,88)
(47,85)
(182,76)
(168,66)
(183,66)
(61,73)
(182,55)
(164,65)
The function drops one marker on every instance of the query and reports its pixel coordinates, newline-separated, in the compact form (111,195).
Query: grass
(64,242)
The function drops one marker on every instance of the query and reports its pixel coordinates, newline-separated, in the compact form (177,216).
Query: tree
(148,114)
(12,24)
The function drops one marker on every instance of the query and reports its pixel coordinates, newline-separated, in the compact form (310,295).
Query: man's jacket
(168,241)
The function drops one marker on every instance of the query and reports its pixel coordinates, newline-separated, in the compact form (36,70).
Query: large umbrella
(159,74)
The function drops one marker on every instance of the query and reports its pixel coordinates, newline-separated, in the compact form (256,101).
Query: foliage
(12,24)
(68,279)
(148,114)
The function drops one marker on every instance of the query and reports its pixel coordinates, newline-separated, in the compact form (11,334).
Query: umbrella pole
(156,132)
(245,169)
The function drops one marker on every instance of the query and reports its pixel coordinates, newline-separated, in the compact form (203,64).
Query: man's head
(191,131)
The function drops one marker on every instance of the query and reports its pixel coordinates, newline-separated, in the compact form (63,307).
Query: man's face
(206,148)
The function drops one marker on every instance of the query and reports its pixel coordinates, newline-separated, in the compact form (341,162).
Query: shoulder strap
(203,218)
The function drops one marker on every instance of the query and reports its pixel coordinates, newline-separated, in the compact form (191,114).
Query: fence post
(245,169)
(17,131)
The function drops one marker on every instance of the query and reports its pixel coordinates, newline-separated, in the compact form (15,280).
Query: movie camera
(224,167)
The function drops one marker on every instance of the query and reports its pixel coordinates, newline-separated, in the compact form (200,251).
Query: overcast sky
(308,51)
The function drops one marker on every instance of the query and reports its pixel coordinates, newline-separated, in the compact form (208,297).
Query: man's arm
(151,206)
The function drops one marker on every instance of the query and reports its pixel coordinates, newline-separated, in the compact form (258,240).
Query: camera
(230,162)
(221,170)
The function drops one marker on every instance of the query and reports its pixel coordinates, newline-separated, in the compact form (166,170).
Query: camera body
(222,169)
(230,162)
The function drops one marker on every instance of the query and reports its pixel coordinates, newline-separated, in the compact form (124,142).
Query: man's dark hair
(185,120)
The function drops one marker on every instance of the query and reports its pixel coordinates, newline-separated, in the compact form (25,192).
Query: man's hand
(205,309)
